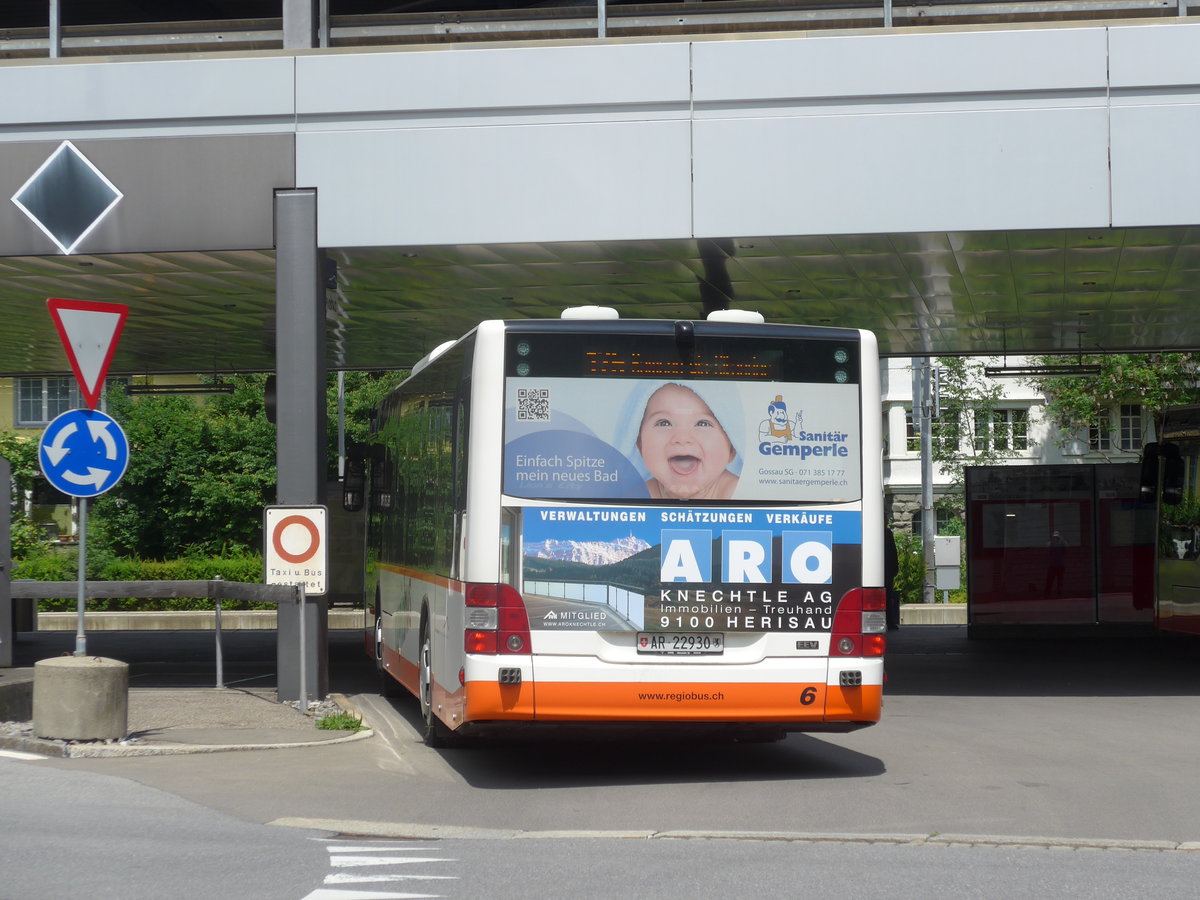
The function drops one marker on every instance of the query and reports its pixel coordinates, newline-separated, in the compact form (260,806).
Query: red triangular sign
(89,332)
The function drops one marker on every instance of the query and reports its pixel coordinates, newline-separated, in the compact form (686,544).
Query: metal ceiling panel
(942,293)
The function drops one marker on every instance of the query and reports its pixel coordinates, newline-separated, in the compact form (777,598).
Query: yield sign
(89,332)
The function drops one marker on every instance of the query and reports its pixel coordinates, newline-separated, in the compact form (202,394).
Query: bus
(1171,474)
(601,520)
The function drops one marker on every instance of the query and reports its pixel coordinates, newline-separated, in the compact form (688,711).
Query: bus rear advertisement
(593,520)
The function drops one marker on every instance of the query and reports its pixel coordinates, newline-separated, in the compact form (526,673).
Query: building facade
(1019,432)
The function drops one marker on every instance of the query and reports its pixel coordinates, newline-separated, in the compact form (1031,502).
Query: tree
(970,430)
(362,391)
(200,472)
(21,453)
(1156,381)
(198,477)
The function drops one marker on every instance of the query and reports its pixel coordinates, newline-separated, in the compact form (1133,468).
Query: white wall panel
(1154,178)
(914,172)
(943,63)
(466,80)
(478,185)
(1164,56)
(139,91)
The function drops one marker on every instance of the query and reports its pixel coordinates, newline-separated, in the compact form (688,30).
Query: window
(1131,426)
(1002,430)
(944,520)
(1100,434)
(40,400)
(946,431)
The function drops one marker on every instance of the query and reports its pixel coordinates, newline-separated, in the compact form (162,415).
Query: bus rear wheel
(436,733)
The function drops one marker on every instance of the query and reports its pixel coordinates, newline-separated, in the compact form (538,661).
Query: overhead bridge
(305,198)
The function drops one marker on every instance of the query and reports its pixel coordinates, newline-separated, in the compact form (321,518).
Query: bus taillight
(496,621)
(859,623)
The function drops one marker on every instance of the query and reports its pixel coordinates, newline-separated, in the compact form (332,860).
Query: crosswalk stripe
(352,878)
(352,861)
(327,894)
(374,848)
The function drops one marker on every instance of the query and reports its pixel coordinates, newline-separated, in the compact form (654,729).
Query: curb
(417,831)
(97,749)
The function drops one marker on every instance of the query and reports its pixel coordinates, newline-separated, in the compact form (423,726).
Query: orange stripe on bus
(439,580)
(401,669)
(671,701)
(489,701)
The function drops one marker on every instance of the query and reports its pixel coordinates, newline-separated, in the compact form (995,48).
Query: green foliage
(910,582)
(362,391)
(910,579)
(21,453)
(1157,381)
(198,477)
(968,398)
(341,721)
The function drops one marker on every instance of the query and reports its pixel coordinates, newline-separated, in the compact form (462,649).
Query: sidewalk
(164,721)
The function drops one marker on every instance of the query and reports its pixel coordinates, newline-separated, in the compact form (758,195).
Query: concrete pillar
(300,419)
(80,698)
(299,24)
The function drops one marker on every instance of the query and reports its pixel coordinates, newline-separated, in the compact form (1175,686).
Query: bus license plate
(681,643)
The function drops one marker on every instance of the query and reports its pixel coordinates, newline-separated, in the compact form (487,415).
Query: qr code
(533,404)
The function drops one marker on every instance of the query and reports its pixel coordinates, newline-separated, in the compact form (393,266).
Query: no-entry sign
(295,547)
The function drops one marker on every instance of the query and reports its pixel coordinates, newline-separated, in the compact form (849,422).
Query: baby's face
(682,443)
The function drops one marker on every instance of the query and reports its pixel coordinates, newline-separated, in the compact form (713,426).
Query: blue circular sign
(83,453)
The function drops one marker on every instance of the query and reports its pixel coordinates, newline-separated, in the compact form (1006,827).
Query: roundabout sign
(83,453)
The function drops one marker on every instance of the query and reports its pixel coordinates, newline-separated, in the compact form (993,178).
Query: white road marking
(336,894)
(353,878)
(383,860)
(20,754)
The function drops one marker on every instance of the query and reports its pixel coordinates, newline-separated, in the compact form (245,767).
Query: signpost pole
(300,599)
(81,602)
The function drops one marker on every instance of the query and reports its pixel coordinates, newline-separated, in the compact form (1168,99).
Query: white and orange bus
(597,520)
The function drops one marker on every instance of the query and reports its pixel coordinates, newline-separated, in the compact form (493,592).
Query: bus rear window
(629,417)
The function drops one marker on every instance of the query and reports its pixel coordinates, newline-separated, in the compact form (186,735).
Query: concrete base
(81,698)
(933,614)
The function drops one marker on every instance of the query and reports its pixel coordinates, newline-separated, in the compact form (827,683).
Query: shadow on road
(941,661)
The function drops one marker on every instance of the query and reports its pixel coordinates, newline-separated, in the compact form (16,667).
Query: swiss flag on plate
(89,331)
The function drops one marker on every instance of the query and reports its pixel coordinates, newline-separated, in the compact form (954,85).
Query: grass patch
(341,721)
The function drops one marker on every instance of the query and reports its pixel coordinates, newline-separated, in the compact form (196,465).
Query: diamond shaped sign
(67,197)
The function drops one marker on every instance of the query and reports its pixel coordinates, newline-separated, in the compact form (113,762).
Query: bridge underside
(1096,290)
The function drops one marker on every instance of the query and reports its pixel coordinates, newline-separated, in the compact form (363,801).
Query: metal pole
(928,517)
(217,629)
(601,18)
(300,600)
(81,600)
(55,29)
(341,426)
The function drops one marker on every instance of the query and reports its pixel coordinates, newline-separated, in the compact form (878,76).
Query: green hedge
(64,566)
